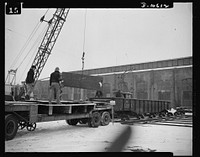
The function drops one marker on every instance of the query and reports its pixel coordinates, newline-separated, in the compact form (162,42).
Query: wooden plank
(19,103)
(87,104)
(50,110)
(105,107)
(46,118)
(33,113)
(11,108)
(54,102)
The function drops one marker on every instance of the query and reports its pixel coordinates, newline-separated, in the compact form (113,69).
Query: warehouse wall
(174,85)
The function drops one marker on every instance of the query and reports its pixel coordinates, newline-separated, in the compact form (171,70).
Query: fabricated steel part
(81,81)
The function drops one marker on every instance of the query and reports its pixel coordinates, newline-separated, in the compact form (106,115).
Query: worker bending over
(55,79)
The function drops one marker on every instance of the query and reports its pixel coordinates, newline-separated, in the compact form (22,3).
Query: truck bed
(39,111)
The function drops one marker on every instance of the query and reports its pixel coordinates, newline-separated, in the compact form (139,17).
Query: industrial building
(169,80)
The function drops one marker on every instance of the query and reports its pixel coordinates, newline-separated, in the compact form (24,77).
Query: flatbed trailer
(25,114)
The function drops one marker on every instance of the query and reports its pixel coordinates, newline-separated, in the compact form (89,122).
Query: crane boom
(51,35)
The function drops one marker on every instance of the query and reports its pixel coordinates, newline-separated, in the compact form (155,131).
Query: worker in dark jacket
(99,94)
(30,82)
(55,79)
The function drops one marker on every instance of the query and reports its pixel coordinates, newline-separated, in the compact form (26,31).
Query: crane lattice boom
(54,28)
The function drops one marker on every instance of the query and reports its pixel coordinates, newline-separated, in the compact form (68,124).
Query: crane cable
(25,45)
(84,42)
(36,41)
(27,42)
(84,32)
(21,51)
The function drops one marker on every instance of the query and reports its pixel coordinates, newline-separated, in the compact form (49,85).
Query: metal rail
(181,121)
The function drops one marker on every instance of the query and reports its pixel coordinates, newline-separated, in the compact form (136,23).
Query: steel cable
(84,32)
(27,42)
(25,45)
(84,43)
(35,43)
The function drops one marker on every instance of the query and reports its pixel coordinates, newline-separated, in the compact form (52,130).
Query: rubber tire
(11,123)
(105,118)
(21,125)
(95,120)
(31,126)
(72,121)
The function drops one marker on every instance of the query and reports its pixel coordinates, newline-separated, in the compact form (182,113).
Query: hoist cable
(25,45)
(31,48)
(27,42)
(23,48)
(36,41)
(84,33)
(84,42)
(42,34)
(46,12)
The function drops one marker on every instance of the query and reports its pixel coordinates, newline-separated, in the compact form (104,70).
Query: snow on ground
(57,136)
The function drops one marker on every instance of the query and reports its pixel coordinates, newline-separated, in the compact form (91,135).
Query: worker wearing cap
(55,79)
(30,82)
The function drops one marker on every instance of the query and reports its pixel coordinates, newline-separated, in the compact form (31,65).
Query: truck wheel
(21,125)
(95,120)
(72,121)
(105,118)
(11,126)
(31,126)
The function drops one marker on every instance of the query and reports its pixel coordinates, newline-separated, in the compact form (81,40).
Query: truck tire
(95,120)
(105,118)
(31,126)
(72,121)
(11,126)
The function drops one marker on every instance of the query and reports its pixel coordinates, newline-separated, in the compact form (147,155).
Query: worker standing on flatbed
(55,79)
(30,82)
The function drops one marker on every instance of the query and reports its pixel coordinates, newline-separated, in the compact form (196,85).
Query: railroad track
(181,121)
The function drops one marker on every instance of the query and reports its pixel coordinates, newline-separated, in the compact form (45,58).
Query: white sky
(113,37)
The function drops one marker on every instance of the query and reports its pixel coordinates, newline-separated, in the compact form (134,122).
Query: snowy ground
(57,136)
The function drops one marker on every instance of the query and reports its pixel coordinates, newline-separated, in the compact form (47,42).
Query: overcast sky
(112,37)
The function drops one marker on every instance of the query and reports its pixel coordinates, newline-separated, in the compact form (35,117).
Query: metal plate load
(81,81)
